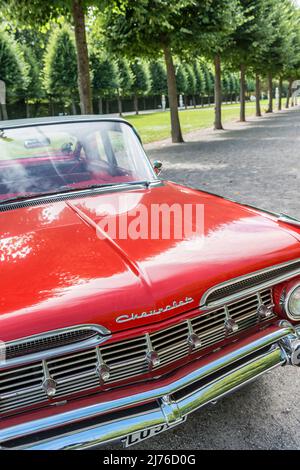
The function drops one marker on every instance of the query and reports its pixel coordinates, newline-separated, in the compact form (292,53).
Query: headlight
(292,303)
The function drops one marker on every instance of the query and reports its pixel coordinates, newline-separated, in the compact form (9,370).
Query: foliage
(191,82)
(181,79)
(13,70)
(105,75)
(200,78)
(141,82)
(158,78)
(34,83)
(142,28)
(60,68)
(208,82)
(125,76)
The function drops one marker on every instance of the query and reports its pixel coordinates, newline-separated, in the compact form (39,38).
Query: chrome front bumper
(167,401)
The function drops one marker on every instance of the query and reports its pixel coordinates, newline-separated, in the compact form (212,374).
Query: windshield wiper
(65,190)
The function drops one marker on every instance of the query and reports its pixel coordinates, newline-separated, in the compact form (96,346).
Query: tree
(13,70)
(152,27)
(207,84)
(200,79)
(226,85)
(105,77)
(60,70)
(141,81)
(191,83)
(218,43)
(281,18)
(158,76)
(125,79)
(248,39)
(181,79)
(33,90)
(36,14)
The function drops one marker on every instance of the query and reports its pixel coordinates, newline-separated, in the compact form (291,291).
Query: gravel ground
(257,162)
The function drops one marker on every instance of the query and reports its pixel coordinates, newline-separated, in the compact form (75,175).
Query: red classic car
(114,331)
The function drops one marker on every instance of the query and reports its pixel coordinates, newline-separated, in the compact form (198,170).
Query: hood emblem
(138,316)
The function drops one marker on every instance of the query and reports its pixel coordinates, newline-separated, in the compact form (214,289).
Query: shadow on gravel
(257,163)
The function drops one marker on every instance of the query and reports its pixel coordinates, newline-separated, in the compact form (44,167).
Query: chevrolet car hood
(56,270)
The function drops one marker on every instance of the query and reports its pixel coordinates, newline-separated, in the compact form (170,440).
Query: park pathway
(257,162)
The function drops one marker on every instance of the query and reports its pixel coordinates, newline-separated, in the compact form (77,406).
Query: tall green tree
(105,78)
(141,81)
(125,80)
(191,83)
(13,70)
(181,79)
(60,69)
(200,80)
(158,76)
(208,80)
(217,45)
(38,13)
(281,19)
(33,90)
(251,39)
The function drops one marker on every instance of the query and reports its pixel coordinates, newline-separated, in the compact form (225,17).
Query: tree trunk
(120,105)
(280,94)
(289,93)
(107,106)
(100,105)
(185,98)
(270,88)
(257,95)
(242,94)
(4,111)
(194,101)
(84,81)
(136,104)
(218,93)
(27,110)
(172,95)
(74,110)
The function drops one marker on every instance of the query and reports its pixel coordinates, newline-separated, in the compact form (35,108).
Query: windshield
(53,158)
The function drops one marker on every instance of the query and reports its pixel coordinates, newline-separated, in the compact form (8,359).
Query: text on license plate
(139,436)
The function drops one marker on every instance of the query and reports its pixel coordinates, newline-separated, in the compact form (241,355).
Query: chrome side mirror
(157,166)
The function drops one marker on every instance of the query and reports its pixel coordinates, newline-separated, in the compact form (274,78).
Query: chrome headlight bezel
(288,298)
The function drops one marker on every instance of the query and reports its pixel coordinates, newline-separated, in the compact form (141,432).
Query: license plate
(139,436)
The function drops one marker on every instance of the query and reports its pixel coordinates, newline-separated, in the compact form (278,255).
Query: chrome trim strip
(103,334)
(250,290)
(217,387)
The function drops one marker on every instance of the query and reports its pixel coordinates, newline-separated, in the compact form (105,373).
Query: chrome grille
(126,359)
(256,281)
(50,340)
(22,386)
(171,344)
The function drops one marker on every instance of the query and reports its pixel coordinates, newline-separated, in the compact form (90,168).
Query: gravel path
(259,163)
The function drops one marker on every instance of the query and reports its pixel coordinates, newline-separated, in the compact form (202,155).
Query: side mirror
(157,166)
